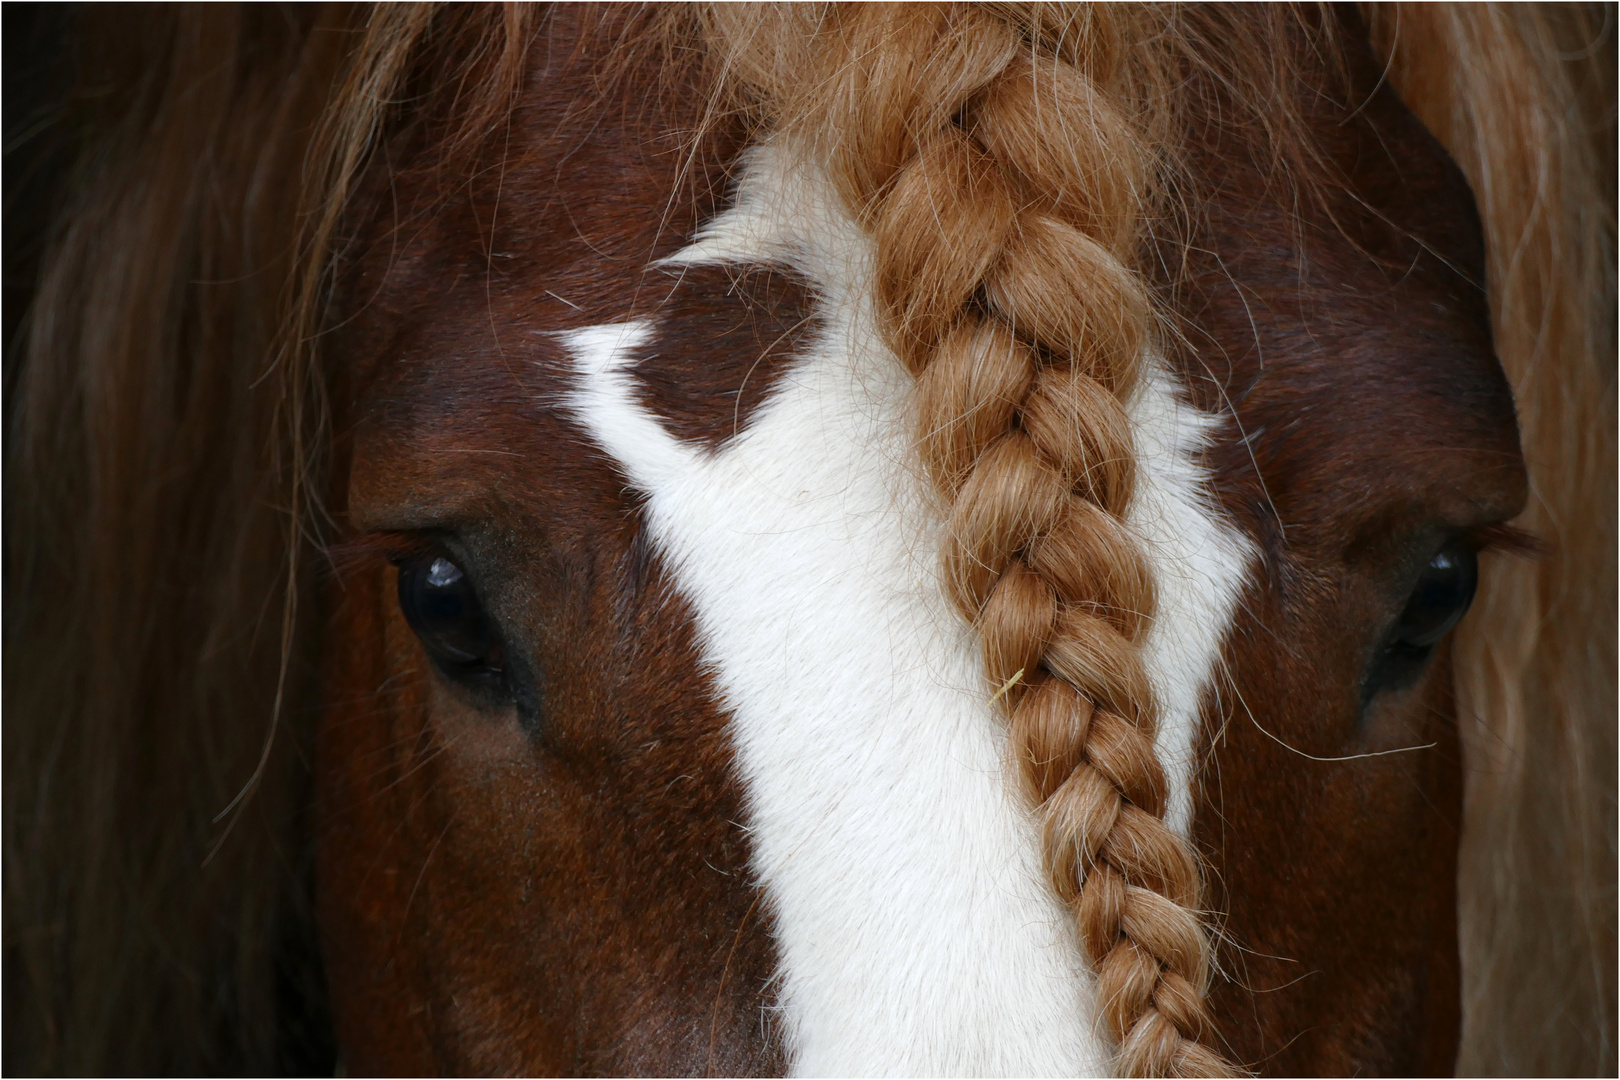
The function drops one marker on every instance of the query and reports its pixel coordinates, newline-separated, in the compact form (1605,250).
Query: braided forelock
(1002,159)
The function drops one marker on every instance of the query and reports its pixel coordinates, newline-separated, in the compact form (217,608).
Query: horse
(870,539)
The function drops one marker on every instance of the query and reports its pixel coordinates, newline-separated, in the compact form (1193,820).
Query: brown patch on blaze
(560,886)
(1372,424)
(725,334)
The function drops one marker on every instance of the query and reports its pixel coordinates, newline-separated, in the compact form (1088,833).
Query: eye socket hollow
(442,607)
(1440,599)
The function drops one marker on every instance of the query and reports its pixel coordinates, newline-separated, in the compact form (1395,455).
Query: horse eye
(444,610)
(1437,602)
(1440,599)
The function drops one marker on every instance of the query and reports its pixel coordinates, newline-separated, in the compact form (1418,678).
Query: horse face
(649,744)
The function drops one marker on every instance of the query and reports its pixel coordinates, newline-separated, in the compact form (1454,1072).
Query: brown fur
(719,313)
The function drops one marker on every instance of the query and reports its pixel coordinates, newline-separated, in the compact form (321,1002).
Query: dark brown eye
(443,608)
(1440,599)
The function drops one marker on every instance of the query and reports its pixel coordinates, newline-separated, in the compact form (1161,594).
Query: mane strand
(165,492)
(147,563)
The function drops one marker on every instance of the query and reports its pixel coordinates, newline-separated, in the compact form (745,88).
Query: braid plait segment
(1003,184)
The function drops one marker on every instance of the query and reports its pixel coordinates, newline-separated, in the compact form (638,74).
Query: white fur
(915,932)
(1200,564)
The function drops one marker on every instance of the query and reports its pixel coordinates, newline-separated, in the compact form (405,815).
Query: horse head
(869,539)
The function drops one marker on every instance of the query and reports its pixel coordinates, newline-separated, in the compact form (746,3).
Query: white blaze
(902,868)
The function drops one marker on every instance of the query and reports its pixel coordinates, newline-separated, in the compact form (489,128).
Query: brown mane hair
(166,437)
(146,560)
(164,476)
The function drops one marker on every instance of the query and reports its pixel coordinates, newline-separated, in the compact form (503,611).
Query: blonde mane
(165,469)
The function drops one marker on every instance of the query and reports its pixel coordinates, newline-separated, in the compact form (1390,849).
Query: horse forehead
(1336,375)
(545,228)
(914,923)
(1348,335)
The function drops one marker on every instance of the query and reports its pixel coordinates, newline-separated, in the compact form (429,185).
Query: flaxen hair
(1009,162)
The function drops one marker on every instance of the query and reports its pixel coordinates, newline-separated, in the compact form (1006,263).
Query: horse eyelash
(1507,540)
(348,556)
